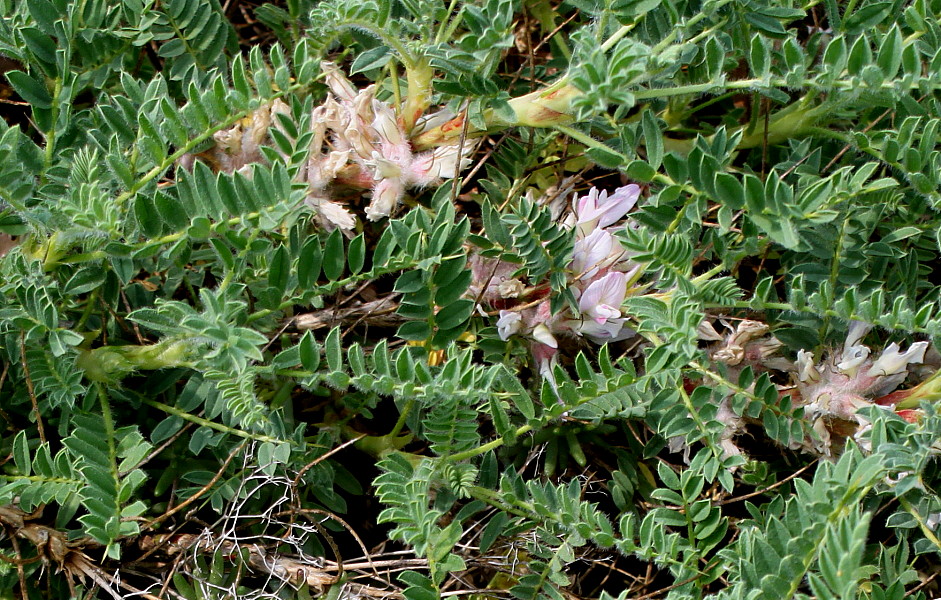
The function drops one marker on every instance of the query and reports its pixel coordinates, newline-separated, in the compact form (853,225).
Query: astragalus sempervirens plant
(574,299)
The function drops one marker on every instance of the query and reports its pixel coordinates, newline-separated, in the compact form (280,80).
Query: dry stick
(3,378)
(164,542)
(101,582)
(915,589)
(30,390)
(198,494)
(345,525)
(173,570)
(460,152)
(20,573)
(552,33)
(127,307)
(848,146)
(767,489)
(141,593)
(483,159)
(319,459)
(373,313)
(326,535)
(277,335)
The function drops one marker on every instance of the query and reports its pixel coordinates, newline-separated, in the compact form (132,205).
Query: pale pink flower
(546,359)
(600,309)
(239,146)
(600,272)
(594,252)
(596,209)
(602,299)
(366,134)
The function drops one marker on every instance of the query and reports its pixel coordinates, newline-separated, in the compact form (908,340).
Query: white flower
(367,147)
(331,215)
(543,335)
(892,361)
(385,197)
(510,288)
(855,334)
(337,82)
(509,324)
(852,358)
(806,371)
(441,163)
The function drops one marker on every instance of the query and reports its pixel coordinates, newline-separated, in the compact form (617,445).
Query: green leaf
(889,57)
(414,331)
(147,216)
(374,58)
(333,259)
(44,13)
(866,17)
(279,271)
(84,280)
(357,254)
(759,57)
(639,170)
(653,139)
(309,352)
(308,263)
(518,394)
(30,89)
(605,157)
(334,350)
(21,456)
(454,314)
(166,428)
(410,282)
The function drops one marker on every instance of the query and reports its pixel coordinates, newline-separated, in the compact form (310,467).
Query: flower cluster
(831,391)
(357,142)
(239,146)
(600,277)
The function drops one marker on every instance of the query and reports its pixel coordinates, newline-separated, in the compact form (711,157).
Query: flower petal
(892,361)
(509,324)
(542,334)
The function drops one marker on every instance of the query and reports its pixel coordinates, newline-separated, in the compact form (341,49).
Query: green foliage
(214,359)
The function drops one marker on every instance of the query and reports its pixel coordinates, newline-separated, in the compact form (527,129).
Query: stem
(108,421)
(400,423)
(419,75)
(586,139)
(172,410)
(708,274)
(818,312)
(486,447)
(243,254)
(925,530)
(51,134)
(447,27)
(617,35)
